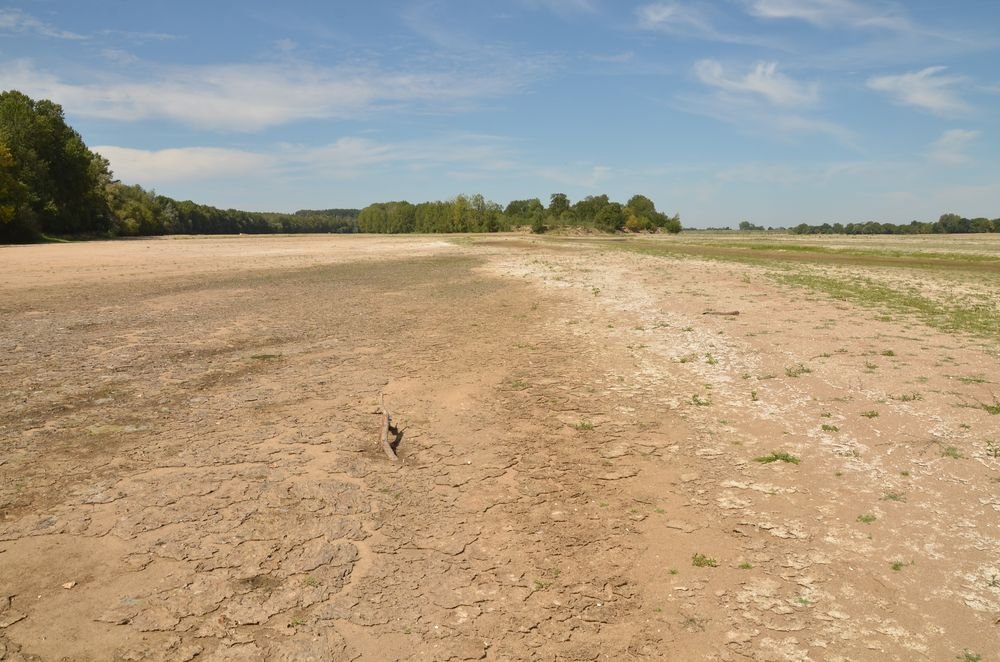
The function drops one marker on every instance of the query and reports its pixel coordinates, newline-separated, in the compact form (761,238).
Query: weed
(595,291)
(866,519)
(965,426)
(584,426)
(826,414)
(993,449)
(673,571)
(908,397)
(659,511)
(296,622)
(969,656)
(687,358)
(266,357)
(797,370)
(838,474)
(518,385)
(753,396)
(777,456)
(541,586)
(688,328)
(699,560)
(870,366)
(311,581)
(888,352)
(829,428)
(871,413)
(974,379)
(894,496)
(710,360)
(805,602)
(952,452)
(904,473)
(700,401)
(992,409)
(745,566)
(898,565)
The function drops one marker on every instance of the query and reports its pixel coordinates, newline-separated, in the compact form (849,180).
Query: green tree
(65,181)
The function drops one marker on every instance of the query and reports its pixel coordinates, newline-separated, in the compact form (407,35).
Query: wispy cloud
(871,14)
(184,164)
(689,21)
(250,97)
(764,80)
(928,89)
(346,158)
(16,21)
(564,7)
(952,147)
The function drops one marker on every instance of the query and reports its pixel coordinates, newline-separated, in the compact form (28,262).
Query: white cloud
(764,80)
(586,177)
(250,97)
(118,56)
(184,164)
(833,13)
(564,7)
(689,22)
(927,89)
(952,147)
(346,158)
(15,20)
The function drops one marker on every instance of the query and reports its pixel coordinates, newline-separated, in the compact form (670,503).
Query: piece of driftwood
(388,427)
(721,312)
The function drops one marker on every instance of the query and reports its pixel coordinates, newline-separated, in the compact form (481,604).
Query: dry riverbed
(592,467)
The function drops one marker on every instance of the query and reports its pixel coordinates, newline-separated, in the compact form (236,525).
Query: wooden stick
(386,426)
(716,312)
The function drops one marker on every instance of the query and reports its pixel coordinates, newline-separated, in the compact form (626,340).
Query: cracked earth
(190,466)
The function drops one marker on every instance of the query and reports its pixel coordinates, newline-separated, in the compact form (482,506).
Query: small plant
(699,560)
(595,291)
(673,571)
(953,452)
(266,357)
(965,426)
(710,360)
(753,396)
(829,428)
(311,582)
(904,473)
(992,409)
(745,566)
(870,367)
(909,397)
(518,385)
(584,426)
(687,358)
(871,413)
(894,496)
(777,456)
(969,656)
(898,565)
(888,352)
(797,370)
(700,401)
(866,519)
(826,414)
(993,449)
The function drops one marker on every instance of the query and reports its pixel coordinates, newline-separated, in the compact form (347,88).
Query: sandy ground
(190,468)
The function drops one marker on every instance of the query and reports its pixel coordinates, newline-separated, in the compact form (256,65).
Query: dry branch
(718,312)
(387,427)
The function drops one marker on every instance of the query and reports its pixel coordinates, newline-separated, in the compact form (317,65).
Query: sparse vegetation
(866,519)
(829,428)
(777,456)
(584,426)
(699,560)
(797,370)
(953,452)
(871,413)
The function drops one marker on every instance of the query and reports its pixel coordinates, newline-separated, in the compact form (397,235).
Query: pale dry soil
(190,465)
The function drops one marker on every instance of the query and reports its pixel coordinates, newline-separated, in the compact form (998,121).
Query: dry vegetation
(592,468)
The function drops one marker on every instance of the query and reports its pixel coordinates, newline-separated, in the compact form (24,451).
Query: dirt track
(189,433)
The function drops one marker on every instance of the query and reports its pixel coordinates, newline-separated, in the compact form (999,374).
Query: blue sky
(772,111)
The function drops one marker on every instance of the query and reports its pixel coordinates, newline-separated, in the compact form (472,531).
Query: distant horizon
(775,112)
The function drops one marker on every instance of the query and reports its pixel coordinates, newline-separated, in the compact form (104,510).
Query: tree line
(476,214)
(946,224)
(52,184)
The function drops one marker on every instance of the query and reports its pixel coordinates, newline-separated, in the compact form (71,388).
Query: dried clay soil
(190,467)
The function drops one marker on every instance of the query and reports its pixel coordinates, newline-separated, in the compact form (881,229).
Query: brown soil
(190,465)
